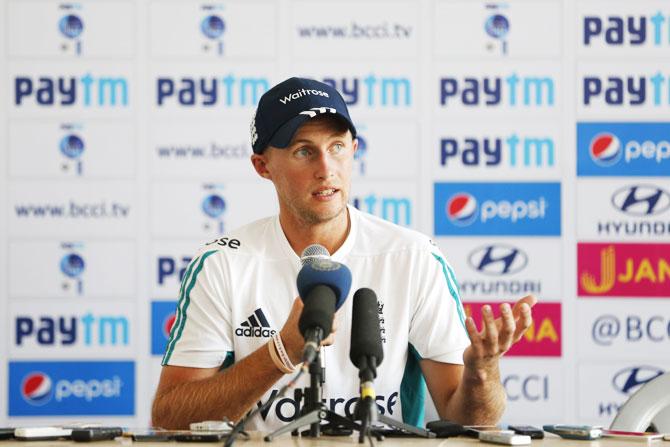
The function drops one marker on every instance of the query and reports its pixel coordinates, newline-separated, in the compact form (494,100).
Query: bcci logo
(214,207)
(212,27)
(36,388)
(71,26)
(497,28)
(72,266)
(359,155)
(72,147)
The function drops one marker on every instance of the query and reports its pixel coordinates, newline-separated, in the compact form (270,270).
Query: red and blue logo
(163,316)
(462,209)
(623,149)
(605,149)
(36,388)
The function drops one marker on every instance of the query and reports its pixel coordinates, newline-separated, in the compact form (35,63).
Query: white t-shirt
(240,288)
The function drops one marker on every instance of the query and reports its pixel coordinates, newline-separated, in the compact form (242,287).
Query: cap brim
(282,138)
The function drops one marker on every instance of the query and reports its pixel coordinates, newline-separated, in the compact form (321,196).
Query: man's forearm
(230,393)
(478,400)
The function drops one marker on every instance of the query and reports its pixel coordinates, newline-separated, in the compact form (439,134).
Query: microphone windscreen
(318,311)
(328,273)
(366,339)
(312,252)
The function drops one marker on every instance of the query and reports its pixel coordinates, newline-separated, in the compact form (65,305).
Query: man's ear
(259,162)
(355,145)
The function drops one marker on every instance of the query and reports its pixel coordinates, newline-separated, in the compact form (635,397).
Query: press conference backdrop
(530,138)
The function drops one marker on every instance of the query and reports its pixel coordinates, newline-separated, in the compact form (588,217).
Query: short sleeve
(437,328)
(201,336)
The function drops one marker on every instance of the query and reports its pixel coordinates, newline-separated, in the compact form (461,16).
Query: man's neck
(330,234)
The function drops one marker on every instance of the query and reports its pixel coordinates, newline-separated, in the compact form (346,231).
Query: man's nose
(324,165)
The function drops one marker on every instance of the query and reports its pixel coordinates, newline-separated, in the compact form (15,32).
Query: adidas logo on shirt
(255,326)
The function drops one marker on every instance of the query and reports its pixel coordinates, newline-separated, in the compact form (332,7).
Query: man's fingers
(528,300)
(490,331)
(524,321)
(506,337)
(475,337)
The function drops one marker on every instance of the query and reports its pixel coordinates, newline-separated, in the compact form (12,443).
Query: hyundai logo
(628,380)
(497,260)
(641,200)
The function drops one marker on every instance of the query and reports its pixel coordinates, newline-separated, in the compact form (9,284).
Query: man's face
(312,175)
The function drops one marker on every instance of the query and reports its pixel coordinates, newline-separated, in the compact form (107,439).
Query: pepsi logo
(605,149)
(36,388)
(462,209)
(168,322)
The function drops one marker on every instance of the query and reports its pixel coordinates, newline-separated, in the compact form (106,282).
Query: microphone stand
(314,410)
(366,409)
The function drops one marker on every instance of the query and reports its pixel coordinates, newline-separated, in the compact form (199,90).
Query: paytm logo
(512,151)
(87,329)
(163,315)
(630,30)
(394,209)
(469,209)
(86,91)
(71,388)
(623,149)
(373,90)
(652,89)
(512,90)
(169,267)
(226,91)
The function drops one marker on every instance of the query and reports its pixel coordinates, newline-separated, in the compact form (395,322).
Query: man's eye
(302,152)
(337,148)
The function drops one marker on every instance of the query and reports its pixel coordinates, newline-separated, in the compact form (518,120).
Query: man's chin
(323,215)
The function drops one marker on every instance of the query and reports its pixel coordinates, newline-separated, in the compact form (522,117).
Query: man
(240,290)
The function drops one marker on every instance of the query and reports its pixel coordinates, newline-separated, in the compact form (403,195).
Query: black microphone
(323,286)
(366,351)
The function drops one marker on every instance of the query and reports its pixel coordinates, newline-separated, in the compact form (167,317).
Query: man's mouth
(326,192)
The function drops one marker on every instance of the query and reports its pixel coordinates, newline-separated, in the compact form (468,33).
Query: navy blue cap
(286,106)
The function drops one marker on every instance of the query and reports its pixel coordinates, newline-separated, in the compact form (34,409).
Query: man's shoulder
(254,239)
(379,235)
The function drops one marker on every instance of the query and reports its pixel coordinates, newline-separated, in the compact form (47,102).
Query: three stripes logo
(317,110)
(255,326)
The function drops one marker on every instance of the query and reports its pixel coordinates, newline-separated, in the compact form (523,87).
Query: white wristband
(281,351)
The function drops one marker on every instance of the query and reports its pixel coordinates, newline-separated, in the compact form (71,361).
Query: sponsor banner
(622,329)
(69,209)
(497,209)
(535,390)
(386,150)
(485,29)
(354,30)
(623,209)
(88,149)
(604,89)
(44,388)
(42,329)
(469,89)
(627,270)
(542,339)
(387,90)
(198,90)
(163,315)
(203,210)
(392,201)
(201,149)
(623,28)
(90,269)
(623,149)
(502,269)
(469,150)
(82,29)
(169,261)
(61,209)
(73,89)
(603,388)
(214,30)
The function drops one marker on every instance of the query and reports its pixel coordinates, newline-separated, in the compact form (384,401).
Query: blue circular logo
(214,205)
(362,148)
(497,26)
(72,146)
(72,265)
(212,26)
(71,26)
